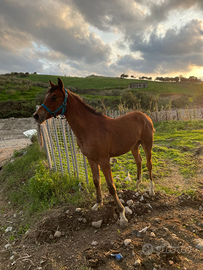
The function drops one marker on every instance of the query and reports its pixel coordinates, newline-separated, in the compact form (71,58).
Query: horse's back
(138,119)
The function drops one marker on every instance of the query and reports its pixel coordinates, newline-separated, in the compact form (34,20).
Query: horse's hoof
(96,206)
(152,194)
(124,223)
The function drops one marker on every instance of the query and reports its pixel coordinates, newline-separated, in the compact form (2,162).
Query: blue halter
(63,106)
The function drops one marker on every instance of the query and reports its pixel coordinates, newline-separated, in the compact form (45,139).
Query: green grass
(18,96)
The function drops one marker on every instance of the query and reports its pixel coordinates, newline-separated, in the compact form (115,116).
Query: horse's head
(54,102)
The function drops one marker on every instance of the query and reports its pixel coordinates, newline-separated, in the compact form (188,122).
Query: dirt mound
(161,235)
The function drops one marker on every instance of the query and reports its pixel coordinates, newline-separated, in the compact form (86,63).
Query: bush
(129,99)
(12,108)
(10,91)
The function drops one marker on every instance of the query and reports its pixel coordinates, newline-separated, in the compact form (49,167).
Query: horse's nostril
(36,116)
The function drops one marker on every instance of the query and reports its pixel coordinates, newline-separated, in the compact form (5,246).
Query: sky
(102,37)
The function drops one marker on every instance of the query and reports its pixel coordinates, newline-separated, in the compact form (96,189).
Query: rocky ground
(164,232)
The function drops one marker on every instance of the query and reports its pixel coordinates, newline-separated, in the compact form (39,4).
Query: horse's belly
(121,147)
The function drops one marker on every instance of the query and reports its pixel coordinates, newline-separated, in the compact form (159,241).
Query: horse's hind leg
(97,183)
(105,166)
(148,152)
(138,160)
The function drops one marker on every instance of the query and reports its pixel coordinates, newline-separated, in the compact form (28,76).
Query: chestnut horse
(100,137)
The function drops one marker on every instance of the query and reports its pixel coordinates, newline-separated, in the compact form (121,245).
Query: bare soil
(172,224)
(12,137)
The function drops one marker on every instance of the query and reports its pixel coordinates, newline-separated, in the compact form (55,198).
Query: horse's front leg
(105,166)
(97,182)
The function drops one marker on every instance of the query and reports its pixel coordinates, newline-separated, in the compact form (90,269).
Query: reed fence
(64,155)
(165,115)
(62,151)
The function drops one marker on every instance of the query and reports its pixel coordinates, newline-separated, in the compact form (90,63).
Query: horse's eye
(54,98)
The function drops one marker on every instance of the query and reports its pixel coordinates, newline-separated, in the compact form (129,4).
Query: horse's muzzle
(36,116)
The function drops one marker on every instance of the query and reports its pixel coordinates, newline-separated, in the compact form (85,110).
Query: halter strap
(63,106)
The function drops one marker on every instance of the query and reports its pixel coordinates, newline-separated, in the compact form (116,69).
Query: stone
(129,203)
(127,242)
(146,195)
(128,179)
(137,262)
(157,220)
(57,234)
(199,243)
(78,210)
(67,212)
(9,229)
(51,237)
(152,234)
(7,246)
(122,201)
(128,211)
(94,243)
(97,224)
(149,205)
(170,262)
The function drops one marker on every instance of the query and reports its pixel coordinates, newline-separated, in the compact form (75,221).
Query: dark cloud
(69,35)
(175,52)
(25,62)
(56,36)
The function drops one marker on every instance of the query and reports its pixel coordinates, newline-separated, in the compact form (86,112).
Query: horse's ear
(51,83)
(60,83)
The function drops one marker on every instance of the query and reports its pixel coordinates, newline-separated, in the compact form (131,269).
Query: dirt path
(12,137)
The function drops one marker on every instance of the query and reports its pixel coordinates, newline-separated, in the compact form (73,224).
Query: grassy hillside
(102,83)
(99,92)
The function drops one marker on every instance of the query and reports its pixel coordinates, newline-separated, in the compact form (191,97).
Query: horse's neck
(78,117)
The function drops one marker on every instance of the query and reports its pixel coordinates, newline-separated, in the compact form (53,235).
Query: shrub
(12,108)
(10,91)
(129,99)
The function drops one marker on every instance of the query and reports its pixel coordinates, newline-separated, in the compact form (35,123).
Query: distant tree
(123,76)
(193,79)
(23,74)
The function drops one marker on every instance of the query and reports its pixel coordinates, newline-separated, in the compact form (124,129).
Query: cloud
(62,37)
(175,52)
(57,27)
(25,62)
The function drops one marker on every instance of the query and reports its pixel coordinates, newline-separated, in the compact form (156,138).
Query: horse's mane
(95,112)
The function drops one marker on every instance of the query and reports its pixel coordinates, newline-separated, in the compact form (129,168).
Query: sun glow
(196,71)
